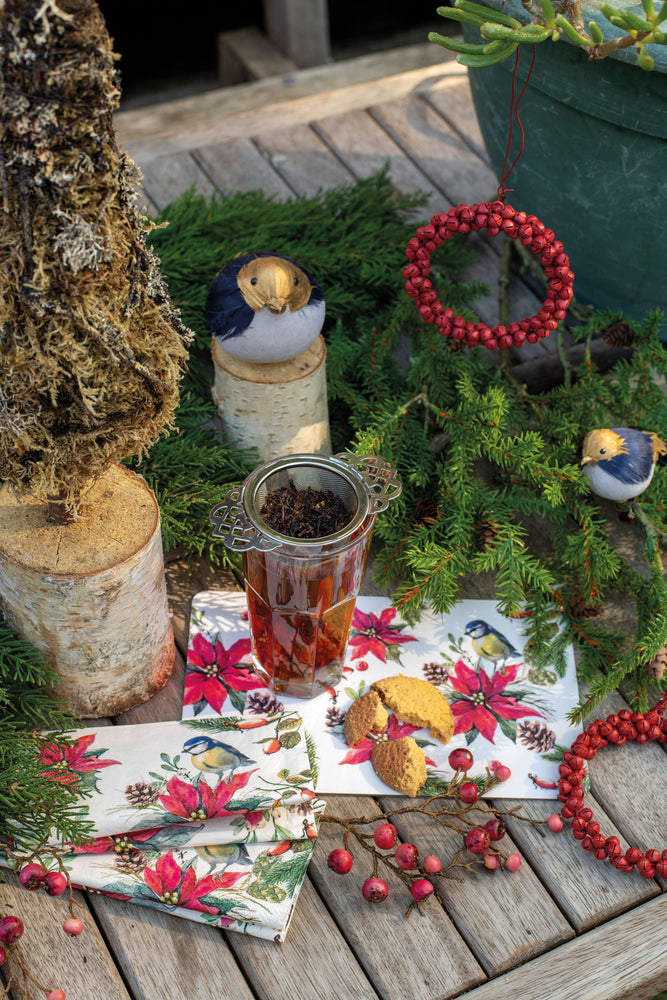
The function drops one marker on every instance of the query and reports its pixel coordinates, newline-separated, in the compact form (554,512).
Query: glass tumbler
(301,592)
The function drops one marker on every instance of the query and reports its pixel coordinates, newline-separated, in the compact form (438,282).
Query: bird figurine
(488,642)
(221,856)
(264,308)
(618,462)
(212,757)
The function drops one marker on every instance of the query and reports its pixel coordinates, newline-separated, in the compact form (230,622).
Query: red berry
(385,836)
(477,840)
(362,665)
(432,864)
(495,828)
(273,746)
(491,860)
(32,876)
(645,868)
(407,856)
(555,823)
(513,862)
(420,889)
(55,883)
(340,861)
(461,759)
(11,929)
(375,890)
(56,995)
(468,792)
(501,772)
(73,926)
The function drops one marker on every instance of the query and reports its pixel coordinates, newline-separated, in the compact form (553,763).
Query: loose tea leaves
(305,513)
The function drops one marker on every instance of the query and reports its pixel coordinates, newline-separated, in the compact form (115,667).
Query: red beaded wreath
(497,217)
(626,725)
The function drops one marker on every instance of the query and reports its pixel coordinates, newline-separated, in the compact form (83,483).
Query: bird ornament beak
(274,283)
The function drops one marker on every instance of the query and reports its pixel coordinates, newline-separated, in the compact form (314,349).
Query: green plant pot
(594,166)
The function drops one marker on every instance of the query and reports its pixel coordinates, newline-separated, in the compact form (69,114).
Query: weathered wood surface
(565,925)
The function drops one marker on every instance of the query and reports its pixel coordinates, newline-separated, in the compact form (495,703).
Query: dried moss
(91,347)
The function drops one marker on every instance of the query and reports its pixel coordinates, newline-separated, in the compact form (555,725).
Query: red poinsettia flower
(482,704)
(177,887)
(66,763)
(376,635)
(393,731)
(213,671)
(200,801)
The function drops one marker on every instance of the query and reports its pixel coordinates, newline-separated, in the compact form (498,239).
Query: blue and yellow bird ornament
(264,308)
(212,757)
(619,462)
(488,642)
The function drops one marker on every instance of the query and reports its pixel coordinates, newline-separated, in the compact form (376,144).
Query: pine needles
(26,707)
(490,471)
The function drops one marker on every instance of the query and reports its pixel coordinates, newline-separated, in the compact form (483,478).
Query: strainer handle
(232,525)
(379,476)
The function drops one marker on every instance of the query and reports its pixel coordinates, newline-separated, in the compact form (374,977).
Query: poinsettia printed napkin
(210,819)
(505,707)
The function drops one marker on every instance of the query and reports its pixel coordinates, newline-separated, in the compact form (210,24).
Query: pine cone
(618,335)
(263,703)
(580,609)
(487,533)
(454,344)
(536,736)
(426,510)
(436,673)
(132,862)
(334,717)
(141,794)
(656,669)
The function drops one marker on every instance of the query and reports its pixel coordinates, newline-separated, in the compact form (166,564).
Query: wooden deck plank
(314,961)
(621,960)
(82,966)
(190,122)
(448,162)
(621,782)
(195,963)
(237,165)
(587,891)
(381,936)
(303,161)
(452,99)
(167,177)
(503,917)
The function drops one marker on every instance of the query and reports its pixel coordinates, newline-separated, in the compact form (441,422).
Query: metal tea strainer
(365,484)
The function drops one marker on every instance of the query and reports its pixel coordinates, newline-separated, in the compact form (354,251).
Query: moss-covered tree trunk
(90,345)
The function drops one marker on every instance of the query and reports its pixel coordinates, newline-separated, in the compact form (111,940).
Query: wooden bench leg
(300,28)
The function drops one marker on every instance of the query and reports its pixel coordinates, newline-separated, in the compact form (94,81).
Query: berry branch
(450,809)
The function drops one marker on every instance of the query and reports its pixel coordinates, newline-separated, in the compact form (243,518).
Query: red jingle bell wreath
(496,217)
(641,727)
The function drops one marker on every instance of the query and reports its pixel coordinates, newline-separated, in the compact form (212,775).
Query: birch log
(279,409)
(91,595)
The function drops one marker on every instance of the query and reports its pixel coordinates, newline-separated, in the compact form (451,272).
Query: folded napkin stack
(211,819)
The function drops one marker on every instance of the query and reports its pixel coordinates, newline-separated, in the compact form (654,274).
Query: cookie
(365,715)
(417,702)
(401,764)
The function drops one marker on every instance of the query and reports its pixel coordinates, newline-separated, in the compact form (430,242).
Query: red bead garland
(617,728)
(497,217)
